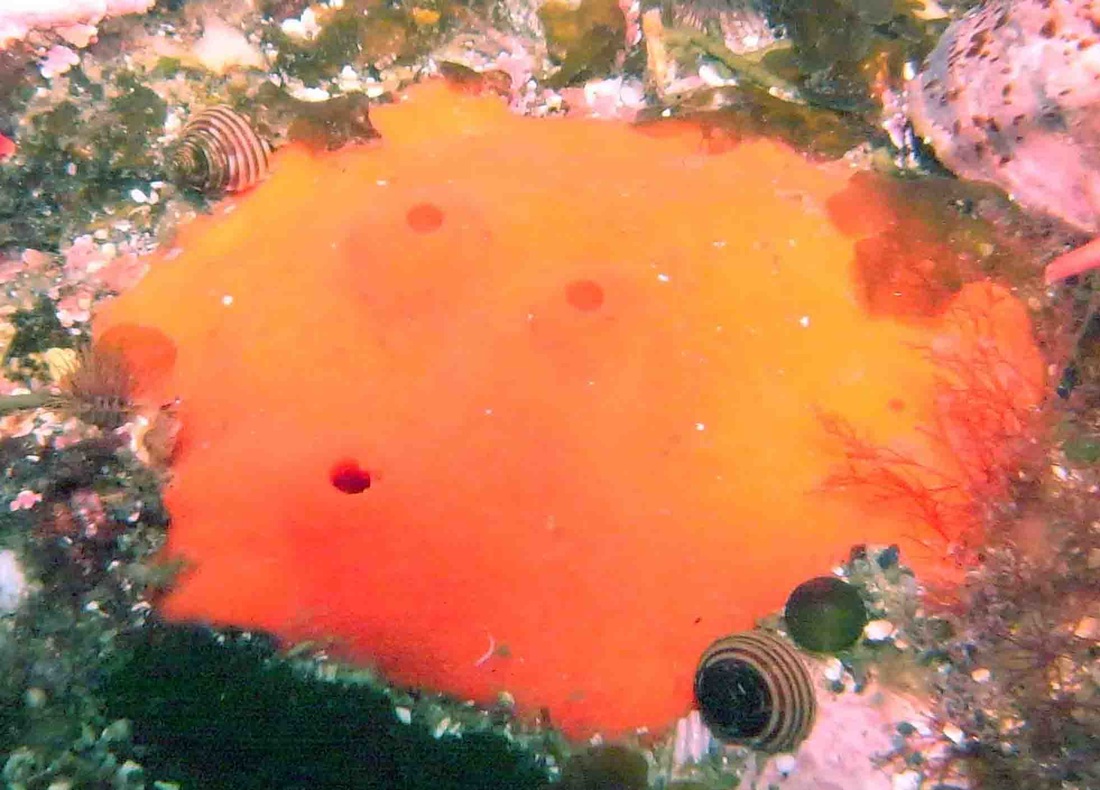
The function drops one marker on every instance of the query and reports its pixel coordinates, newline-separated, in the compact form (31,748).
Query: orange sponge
(545,406)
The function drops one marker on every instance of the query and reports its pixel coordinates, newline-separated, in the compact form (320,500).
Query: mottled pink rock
(1011,95)
(19,17)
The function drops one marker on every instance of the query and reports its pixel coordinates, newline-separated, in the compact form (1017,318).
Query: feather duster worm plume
(96,387)
(497,401)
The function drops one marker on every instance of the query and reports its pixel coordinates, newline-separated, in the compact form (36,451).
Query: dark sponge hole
(348,477)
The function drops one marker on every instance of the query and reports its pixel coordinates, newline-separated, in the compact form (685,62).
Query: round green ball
(825,615)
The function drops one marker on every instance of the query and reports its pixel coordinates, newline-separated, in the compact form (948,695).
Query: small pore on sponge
(348,477)
(548,406)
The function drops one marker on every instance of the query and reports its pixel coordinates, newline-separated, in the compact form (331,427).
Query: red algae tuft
(590,395)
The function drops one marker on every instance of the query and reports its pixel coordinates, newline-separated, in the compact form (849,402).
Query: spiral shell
(753,689)
(220,152)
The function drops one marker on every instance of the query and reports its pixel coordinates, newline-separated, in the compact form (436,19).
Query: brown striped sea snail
(219,152)
(753,689)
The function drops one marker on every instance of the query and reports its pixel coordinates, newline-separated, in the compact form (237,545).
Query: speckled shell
(753,689)
(1011,95)
(220,152)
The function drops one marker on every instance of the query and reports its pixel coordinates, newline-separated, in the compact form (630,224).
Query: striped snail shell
(219,152)
(753,689)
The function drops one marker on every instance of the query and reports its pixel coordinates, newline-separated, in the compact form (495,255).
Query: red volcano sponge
(546,406)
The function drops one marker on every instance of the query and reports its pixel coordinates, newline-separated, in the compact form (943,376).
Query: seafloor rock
(1011,95)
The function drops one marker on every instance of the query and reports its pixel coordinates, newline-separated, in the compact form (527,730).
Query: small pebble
(13,583)
(25,500)
(692,740)
(404,715)
(785,764)
(834,670)
(304,93)
(953,733)
(908,780)
(1087,628)
(58,60)
(304,28)
(981,675)
(130,772)
(34,698)
(878,630)
(710,76)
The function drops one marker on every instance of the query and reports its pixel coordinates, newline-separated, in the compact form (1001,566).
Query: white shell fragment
(953,733)
(878,630)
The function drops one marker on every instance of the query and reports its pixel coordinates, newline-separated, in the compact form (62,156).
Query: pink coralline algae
(1011,95)
(73,20)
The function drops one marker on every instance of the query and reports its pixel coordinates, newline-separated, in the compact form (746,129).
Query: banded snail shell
(220,152)
(753,689)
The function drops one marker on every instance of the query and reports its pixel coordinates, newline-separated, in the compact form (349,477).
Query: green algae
(584,40)
(751,111)
(374,37)
(138,114)
(606,766)
(74,165)
(841,46)
(750,71)
(324,125)
(834,55)
(82,593)
(166,68)
(311,62)
(222,710)
(36,329)
(1082,449)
